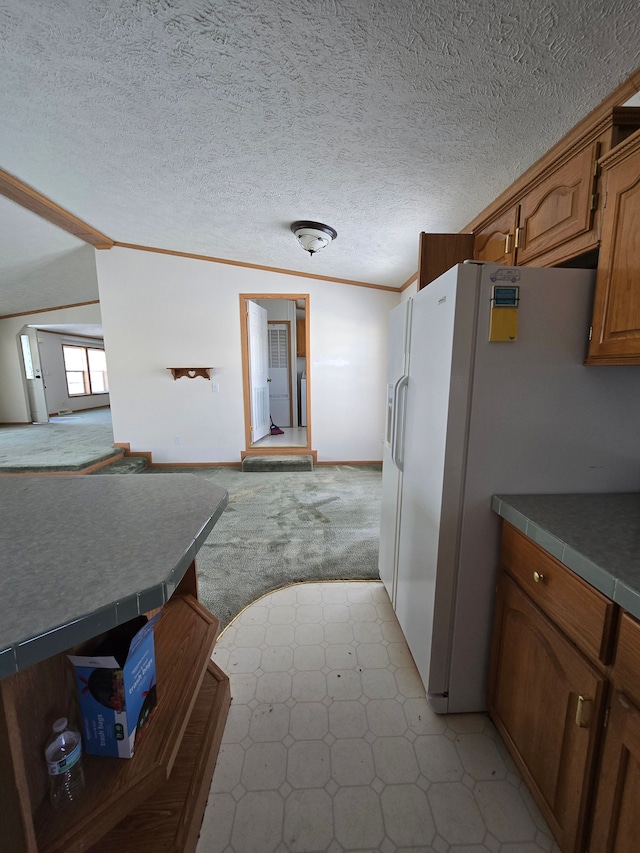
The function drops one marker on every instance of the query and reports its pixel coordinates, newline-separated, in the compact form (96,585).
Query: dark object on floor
(275,430)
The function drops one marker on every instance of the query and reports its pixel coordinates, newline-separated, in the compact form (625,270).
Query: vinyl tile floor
(330,744)
(291,437)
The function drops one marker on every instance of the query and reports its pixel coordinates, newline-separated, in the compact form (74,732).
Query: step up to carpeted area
(278,463)
(124,465)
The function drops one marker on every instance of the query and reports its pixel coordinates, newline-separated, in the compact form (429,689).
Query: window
(86,370)
(26,355)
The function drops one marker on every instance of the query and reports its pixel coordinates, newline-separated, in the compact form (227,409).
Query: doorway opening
(275,366)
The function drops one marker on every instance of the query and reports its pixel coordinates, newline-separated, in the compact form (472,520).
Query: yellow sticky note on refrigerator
(503,325)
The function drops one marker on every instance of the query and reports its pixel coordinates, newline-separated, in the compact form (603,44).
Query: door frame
(244,339)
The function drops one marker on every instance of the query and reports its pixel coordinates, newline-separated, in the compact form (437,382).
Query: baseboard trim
(195,465)
(125,445)
(375,463)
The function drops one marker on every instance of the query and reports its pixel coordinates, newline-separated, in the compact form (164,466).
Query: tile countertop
(81,554)
(597,536)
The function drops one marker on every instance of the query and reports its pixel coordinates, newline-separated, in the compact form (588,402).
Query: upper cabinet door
(495,243)
(616,313)
(559,209)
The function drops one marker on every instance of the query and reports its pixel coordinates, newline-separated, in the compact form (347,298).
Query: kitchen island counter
(595,535)
(81,554)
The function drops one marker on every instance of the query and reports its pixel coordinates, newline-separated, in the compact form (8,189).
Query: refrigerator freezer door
(398,360)
(443,328)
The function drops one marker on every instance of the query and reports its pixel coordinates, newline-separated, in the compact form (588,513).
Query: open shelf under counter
(169,821)
(184,639)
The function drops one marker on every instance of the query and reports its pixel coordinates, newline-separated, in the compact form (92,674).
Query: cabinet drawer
(626,670)
(583,613)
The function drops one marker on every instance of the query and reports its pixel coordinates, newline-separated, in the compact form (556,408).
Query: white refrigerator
(467,418)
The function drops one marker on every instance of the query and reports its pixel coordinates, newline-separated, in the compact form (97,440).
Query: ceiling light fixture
(313,236)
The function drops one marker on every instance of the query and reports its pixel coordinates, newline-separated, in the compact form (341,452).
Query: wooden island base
(153,801)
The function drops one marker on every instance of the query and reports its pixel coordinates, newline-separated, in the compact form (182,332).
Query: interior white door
(279,374)
(38,409)
(258,361)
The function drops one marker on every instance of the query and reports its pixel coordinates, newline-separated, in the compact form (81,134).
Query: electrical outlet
(216,388)
(177,439)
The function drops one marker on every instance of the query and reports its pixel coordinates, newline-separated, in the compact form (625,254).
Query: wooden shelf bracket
(191,372)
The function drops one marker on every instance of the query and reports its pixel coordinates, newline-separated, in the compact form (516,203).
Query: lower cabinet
(546,700)
(616,825)
(564,693)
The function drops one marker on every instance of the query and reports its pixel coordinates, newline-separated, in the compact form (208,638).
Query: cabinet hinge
(594,201)
(590,332)
(605,722)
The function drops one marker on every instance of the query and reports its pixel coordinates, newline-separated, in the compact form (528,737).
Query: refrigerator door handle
(397,440)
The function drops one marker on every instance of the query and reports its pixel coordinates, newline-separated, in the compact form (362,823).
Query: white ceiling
(208,126)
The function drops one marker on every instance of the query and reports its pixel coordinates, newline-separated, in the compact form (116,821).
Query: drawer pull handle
(538,577)
(583,712)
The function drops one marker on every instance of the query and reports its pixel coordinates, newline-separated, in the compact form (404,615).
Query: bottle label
(65,764)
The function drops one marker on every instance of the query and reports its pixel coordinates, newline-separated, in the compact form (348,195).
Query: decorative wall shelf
(191,372)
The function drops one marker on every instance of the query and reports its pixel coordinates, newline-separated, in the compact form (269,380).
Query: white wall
(14,406)
(410,291)
(162,311)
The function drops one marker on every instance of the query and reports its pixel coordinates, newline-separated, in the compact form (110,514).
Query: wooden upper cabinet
(301,338)
(559,209)
(616,313)
(553,212)
(553,221)
(440,252)
(495,242)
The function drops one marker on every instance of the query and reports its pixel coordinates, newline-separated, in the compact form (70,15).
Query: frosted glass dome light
(313,236)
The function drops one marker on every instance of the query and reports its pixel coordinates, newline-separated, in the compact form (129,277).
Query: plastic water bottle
(63,753)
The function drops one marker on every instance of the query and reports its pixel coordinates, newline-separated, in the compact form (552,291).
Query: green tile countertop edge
(80,555)
(597,536)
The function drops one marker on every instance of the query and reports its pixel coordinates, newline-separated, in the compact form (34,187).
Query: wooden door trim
(24,195)
(244,343)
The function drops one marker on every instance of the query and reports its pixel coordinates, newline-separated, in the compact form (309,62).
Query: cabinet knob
(538,577)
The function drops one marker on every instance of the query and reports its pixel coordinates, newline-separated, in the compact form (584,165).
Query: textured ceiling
(208,126)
